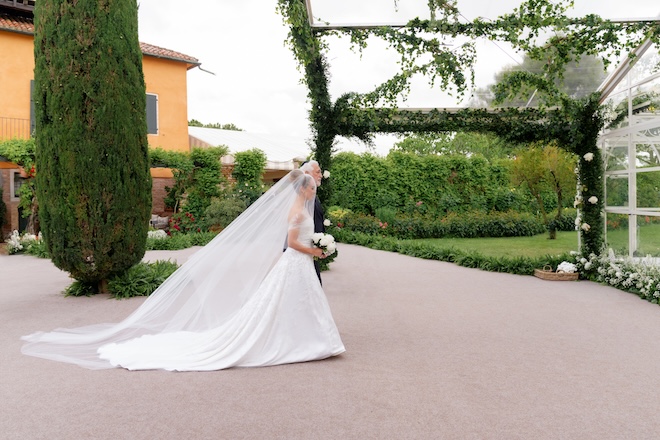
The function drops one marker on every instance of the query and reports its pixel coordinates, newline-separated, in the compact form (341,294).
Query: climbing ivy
(422,47)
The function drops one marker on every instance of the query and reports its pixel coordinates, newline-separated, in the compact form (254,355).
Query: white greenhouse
(630,144)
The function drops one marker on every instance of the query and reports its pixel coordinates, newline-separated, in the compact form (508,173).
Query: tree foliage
(93,177)
(463,143)
(543,169)
(229,126)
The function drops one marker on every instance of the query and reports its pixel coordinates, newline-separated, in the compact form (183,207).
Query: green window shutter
(152,114)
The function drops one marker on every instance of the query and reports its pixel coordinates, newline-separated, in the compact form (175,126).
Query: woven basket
(548,274)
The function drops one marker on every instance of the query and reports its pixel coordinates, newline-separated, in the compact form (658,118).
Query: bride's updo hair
(295,174)
(301,180)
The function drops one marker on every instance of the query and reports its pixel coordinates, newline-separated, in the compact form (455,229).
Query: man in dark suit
(313,169)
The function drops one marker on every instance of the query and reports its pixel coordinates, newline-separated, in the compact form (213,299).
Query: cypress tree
(93,181)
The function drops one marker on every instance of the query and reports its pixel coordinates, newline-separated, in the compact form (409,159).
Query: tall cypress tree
(93,182)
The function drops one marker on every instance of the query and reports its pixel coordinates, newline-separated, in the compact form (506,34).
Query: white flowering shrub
(14,243)
(639,276)
(23,243)
(158,234)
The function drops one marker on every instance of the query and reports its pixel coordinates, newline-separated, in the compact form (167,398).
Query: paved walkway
(434,351)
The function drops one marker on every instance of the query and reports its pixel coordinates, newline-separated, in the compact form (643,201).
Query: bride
(238,302)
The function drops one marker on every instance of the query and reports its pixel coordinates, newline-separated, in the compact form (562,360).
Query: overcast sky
(256,83)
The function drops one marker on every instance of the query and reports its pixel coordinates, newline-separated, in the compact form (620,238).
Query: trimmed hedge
(518,265)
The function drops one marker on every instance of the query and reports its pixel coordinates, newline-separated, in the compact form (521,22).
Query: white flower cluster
(326,222)
(566,267)
(158,234)
(326,174)
(14,243)
(324,241)
(17,242)
(640,276)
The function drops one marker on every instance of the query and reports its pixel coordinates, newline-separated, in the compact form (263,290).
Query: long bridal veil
(202,294)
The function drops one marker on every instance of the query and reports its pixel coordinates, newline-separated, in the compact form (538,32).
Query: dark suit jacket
(319,217)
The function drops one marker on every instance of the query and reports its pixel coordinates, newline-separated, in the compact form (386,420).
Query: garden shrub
(222,211)
(180,241)
(386,214)
(140,280)
(174,242)
(638,276)
(183,222)
(26,243)
(465,225)
(248,171)
(206,180)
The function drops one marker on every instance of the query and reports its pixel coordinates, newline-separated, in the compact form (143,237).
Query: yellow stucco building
(167,101)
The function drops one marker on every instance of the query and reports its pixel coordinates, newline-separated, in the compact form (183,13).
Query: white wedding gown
(287,320)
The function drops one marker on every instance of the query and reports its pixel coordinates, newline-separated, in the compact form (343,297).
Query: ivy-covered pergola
(573,124)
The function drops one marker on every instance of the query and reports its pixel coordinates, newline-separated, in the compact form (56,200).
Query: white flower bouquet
(325,242)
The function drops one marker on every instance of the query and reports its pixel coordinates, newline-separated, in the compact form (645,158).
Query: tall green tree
(543,169)
(93,179)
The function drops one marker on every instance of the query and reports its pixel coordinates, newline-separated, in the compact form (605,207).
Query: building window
(16,181)
(152,113)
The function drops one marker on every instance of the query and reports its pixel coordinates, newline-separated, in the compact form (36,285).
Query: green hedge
(180,241)
(467,225)
(431,184)
(520,265)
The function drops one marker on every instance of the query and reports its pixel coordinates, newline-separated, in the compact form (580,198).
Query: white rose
(585,227)
(326,222)
(330,237)
(324,241)
(326,174)
(593,200)
(331,249)
(317,236)
(589,157)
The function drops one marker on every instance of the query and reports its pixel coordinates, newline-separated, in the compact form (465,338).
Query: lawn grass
(533,247)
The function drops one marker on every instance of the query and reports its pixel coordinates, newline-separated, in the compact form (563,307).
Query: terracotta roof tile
(25,25)
(150,49)
(16,23)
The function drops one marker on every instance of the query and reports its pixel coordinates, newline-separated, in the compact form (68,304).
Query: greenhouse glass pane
(648,236)
(646,66)
(616,153)
(646,102)
(616,190)
(616,111)
(647,147)
(648,189)
(617,233)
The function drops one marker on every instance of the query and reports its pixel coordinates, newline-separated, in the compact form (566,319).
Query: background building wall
(167,79)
